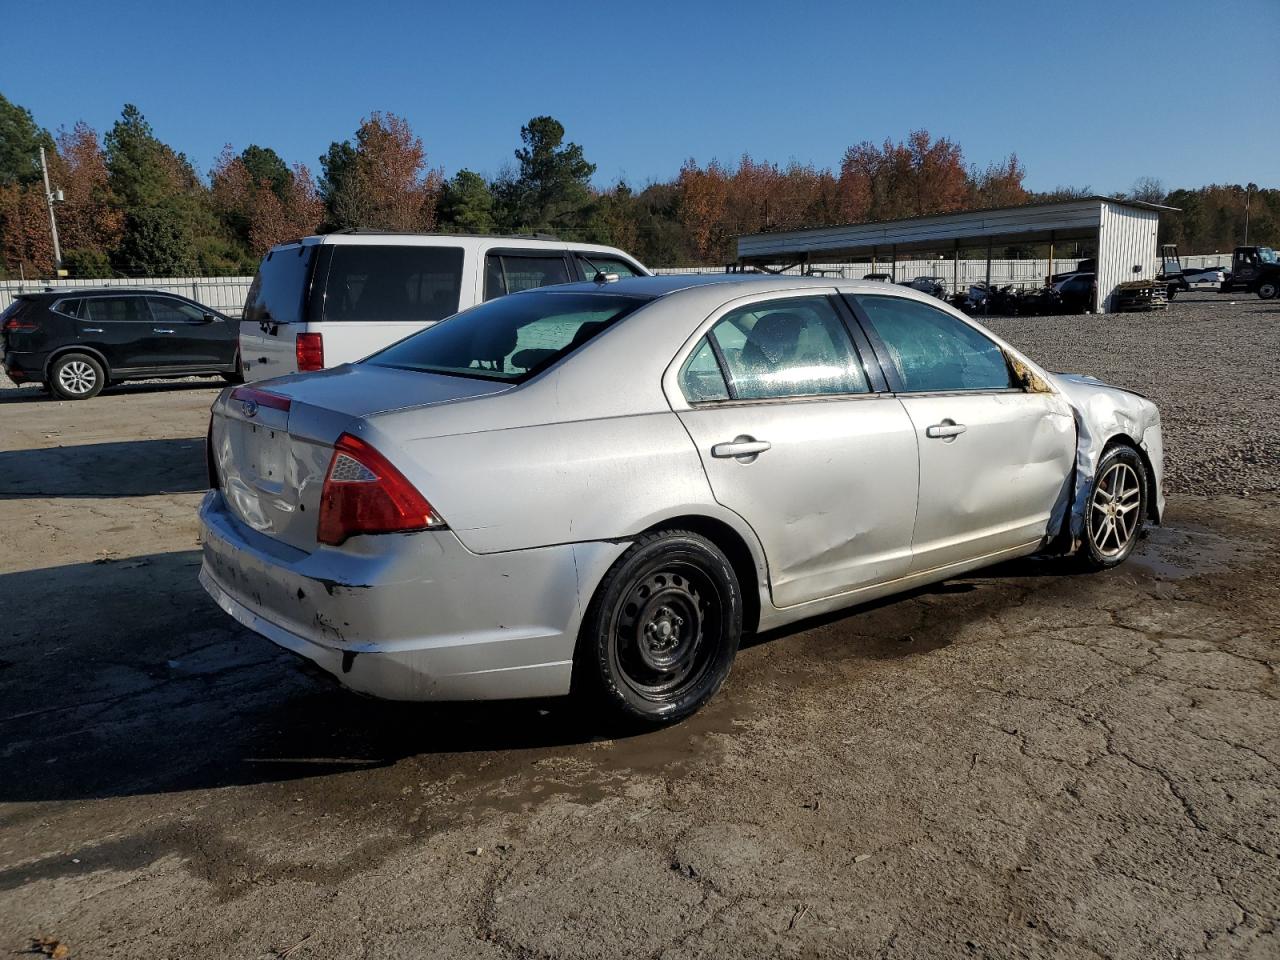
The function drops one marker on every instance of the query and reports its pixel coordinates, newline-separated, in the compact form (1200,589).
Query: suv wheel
(76,376)
(1268,290)
(1115,510)
(661,632)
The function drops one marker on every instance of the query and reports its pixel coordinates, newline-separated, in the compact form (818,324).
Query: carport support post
(893,264)
(986,304)
(955,268)
(1050,258)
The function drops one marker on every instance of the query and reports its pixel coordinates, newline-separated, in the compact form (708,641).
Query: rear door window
(278,290)
(68,308)
(510,273)
(385,284)
(797,347)
(118,310)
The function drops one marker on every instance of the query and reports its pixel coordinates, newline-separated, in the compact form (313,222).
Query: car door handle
(946,430)
(161,330)
(92,330)
(742,447)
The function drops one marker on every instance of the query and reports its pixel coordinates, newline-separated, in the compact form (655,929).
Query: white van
(326,300)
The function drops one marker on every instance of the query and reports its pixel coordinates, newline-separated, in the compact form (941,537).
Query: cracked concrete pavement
(1025,762)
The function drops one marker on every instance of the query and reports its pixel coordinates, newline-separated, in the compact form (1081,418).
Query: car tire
(76,376)
(1268,290)
(1115,510)
(237,376)
(661,632)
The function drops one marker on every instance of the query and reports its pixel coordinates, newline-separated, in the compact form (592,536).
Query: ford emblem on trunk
(250,407)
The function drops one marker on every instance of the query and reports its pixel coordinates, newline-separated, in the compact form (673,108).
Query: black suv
(76,342)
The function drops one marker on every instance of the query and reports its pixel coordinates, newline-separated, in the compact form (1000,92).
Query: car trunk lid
(273,441)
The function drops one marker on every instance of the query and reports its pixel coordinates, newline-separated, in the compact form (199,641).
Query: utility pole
(1248,193)
(49,200)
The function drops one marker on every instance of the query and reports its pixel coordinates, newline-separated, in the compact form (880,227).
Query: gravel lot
(1022,763)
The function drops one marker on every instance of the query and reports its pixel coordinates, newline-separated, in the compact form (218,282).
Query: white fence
(228,294)
(225,294)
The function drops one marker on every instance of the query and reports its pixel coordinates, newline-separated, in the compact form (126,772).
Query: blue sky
(1086,93)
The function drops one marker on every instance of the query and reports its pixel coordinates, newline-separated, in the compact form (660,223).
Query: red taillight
(14,324)
(309,348)
(210,463)
(364,493)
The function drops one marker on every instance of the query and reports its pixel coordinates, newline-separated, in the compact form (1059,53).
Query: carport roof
(1028,223)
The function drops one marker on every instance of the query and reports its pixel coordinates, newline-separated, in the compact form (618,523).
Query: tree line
(135,206)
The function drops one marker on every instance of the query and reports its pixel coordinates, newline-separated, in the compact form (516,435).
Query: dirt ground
(1024,763)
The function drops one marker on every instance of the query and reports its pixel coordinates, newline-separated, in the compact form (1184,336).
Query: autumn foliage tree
(262,201)
(381,181)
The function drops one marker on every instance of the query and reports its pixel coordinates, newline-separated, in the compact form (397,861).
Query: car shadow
(34,393)
(124,678)
(127,468)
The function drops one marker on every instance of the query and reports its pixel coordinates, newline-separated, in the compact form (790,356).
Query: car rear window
(512,338)
(386,284)
(278,290)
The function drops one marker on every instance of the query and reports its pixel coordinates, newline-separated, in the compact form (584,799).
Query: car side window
(932,350)
(506,273)
(164,310)
(592,263)
(797,347)
(701,378)
(68,308)
(118,310)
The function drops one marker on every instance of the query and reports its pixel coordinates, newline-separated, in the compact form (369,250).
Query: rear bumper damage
(412,616)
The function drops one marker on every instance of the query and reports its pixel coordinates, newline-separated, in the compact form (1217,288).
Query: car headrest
(776,335)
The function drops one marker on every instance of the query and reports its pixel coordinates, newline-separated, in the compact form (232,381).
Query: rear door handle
(743,448)
(946,430)
(161,330)
(92,330)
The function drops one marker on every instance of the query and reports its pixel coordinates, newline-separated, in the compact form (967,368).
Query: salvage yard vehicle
(599,487)
(77,342)
(325,300)
(1255,269)
(934,286)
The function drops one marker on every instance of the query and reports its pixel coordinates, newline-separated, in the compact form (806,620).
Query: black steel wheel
(1268,289)
(1116,509)
(661,633)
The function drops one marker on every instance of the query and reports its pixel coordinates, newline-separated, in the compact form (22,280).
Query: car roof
(97,292)
(732,284)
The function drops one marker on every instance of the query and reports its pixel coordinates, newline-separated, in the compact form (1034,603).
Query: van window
(508,273)
(278,290)
(593,263)
(386,284)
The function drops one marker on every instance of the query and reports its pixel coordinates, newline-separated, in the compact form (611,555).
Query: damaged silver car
(599,487)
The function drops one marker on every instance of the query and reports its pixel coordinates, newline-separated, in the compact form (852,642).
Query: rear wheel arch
(77,348)
(735,548)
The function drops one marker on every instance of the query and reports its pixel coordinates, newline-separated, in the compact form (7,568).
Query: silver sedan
(599,487)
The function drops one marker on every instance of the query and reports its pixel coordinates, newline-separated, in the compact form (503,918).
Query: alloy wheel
(77,377)
(1114,510)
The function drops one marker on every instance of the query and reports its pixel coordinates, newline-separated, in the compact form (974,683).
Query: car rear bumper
(24,367)
(411,617)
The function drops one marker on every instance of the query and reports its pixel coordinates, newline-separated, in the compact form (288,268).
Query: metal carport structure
(1122,231)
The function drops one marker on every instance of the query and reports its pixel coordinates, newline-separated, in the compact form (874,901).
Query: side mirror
(209,318)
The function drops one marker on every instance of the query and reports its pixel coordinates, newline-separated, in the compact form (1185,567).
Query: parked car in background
(1076,293)
(326,300)
(601,486)
(77,342)
(1256,269)
(934,286)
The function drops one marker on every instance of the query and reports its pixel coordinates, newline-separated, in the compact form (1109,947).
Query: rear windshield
(389,284)
(279,287)
(509,339)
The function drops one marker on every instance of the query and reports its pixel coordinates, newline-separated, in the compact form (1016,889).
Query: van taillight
(309,348)
(364,493)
